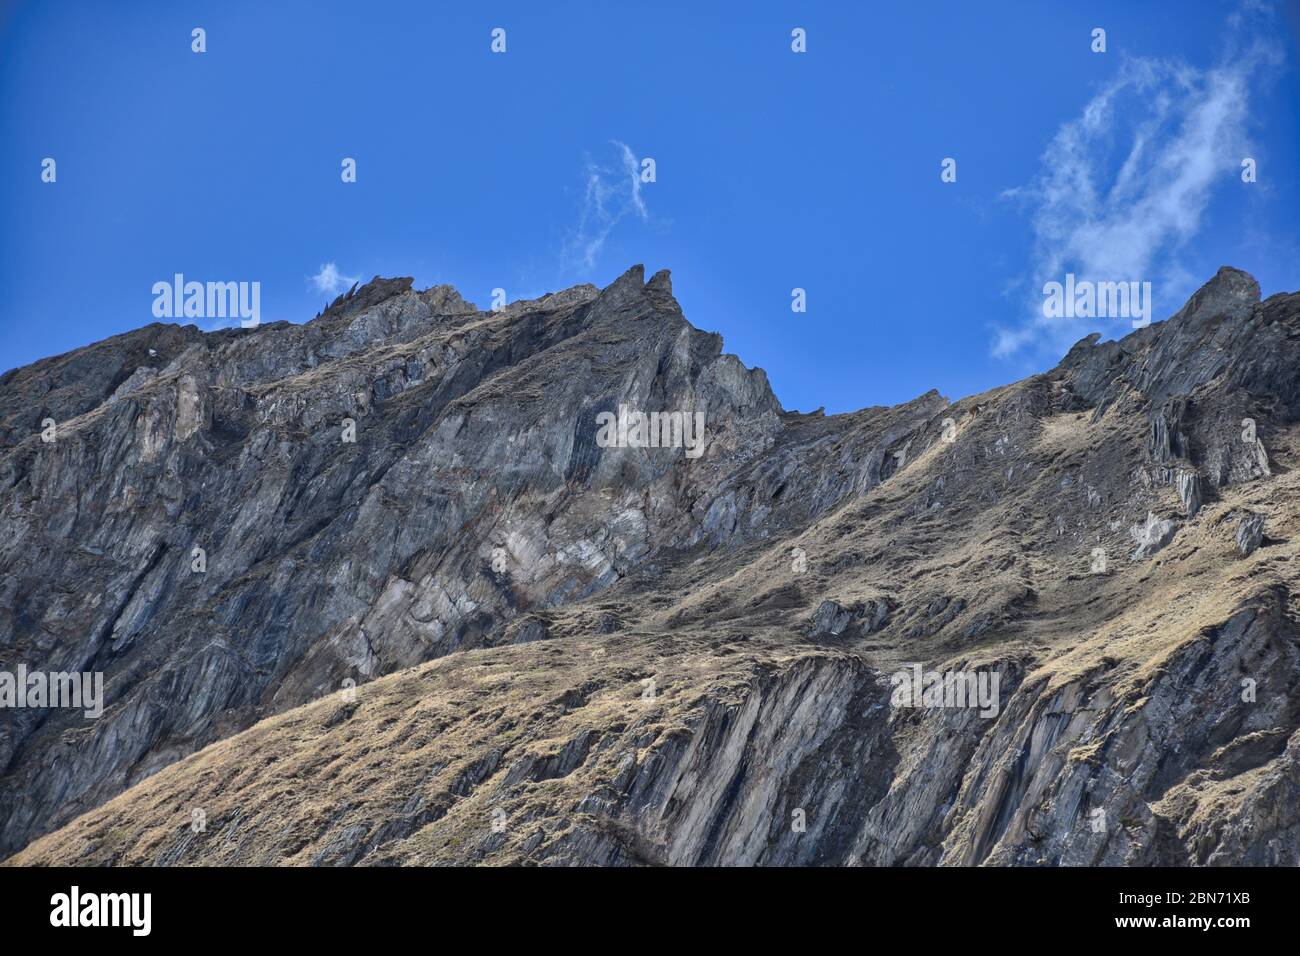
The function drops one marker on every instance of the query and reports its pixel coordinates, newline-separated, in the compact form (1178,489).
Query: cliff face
(634,655)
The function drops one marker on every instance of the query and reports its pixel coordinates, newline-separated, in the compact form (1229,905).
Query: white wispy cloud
(330,281)
(1125,184)
(612,193)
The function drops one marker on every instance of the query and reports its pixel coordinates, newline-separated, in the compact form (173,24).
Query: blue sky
(774,170)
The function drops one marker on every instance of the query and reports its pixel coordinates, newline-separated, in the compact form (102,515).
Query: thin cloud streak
(612,194)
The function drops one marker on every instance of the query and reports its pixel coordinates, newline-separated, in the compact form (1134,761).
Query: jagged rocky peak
(1223,334)
(441,299)
(446,300)
(373,292)
(661,282)
(1230,296)
(637,653)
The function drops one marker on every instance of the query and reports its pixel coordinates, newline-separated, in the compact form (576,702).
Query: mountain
(438,619)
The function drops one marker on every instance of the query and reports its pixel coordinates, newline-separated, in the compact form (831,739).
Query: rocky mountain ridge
(568,653)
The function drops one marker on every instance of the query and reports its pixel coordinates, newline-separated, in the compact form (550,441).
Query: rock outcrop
(1250,533)
(372,589)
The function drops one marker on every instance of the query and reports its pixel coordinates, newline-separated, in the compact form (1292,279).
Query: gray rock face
(1189,492)
(1152,536)
(469,488)
(830,620)
(1250,533)
(1168,442)
(632,654)
(1064,775)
